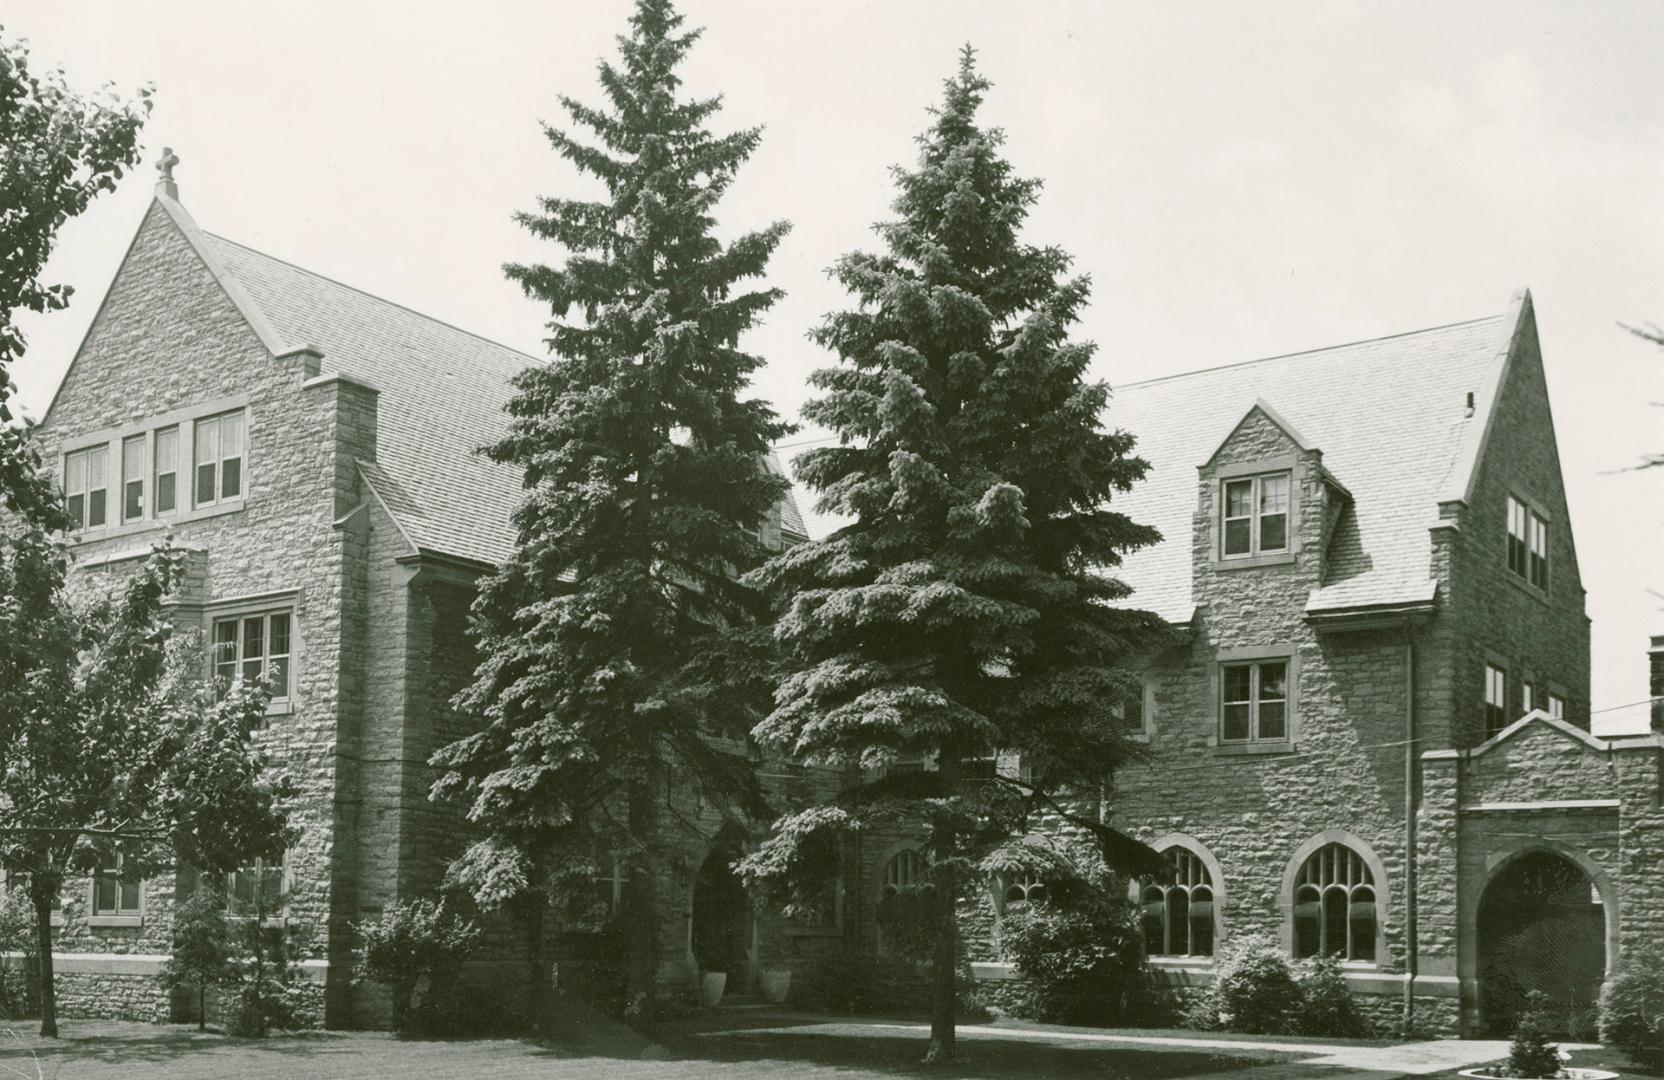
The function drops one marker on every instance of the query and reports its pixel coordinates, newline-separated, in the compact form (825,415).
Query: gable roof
(442,394)
(1388,415)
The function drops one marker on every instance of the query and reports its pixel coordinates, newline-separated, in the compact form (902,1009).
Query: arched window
(903,869)
(1334,906)
(1019,891)
(1177,909)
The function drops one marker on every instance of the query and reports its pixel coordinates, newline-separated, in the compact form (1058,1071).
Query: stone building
(311,449)
(1373,744)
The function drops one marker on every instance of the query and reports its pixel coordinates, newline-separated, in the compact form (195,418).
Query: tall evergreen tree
(966,615)
(606,635)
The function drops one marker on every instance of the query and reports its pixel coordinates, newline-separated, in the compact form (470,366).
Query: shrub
(417,948)
(19,972)
(1253,991)
(1632,1012)
(203,955)
(1531,1054)
(1080,966)
(267,997)
(1326,1006)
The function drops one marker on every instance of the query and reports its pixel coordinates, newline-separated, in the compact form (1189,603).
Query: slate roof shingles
(442,396)
(1387,415)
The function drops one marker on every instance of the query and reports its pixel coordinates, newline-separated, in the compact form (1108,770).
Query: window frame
(1192,864)
(1494,699)
(119,916)
(1146,698)
(1254,658)
(220,459)
(1555,706)
(1528,543)
(85,456)
(179,425)
(1256,514)
(141,442)
(1379,883)
(277,916)
(240,658)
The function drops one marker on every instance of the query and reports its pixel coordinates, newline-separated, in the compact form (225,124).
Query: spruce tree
(969,615)
(608,634)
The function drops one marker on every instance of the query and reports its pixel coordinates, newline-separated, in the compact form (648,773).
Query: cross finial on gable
(164,173)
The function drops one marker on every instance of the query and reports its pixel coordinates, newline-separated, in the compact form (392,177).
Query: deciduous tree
(58,151)
(112,743)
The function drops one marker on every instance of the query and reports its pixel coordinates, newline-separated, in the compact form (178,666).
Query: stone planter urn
(775,984)
(711,986)
(1486,1073)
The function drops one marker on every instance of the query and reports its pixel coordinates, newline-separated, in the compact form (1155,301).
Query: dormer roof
(1390,415)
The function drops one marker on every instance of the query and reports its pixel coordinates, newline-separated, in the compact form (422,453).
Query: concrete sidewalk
(1345,1060)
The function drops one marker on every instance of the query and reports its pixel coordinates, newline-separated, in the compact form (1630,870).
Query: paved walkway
(1343,1060)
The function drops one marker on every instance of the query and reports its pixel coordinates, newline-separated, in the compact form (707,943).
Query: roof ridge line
(1309,352)
(373,296)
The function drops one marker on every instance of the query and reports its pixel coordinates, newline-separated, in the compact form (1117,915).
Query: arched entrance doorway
(722,914)
(1542,926)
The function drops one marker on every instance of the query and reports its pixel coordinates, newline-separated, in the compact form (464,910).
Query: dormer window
(1256,515)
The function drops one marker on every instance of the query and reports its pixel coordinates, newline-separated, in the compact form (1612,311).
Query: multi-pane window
(249,646)
(1334,906)
(1254,702)
(1129,709)
(1528,698)
(255,891)
(1539,552)
(1557,706)
(1255,521)
(219,458)
(1496,699)
(1527,543)
(86,486)
(132,477)
(113,892)
(167,470)
(1177,910)
(903,870)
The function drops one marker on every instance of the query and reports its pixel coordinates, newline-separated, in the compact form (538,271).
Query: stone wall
(168,346)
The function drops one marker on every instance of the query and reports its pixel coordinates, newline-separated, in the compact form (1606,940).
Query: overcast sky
(1241,180)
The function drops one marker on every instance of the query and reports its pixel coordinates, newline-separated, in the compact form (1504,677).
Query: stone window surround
(1289,463)
(1184,840)
(1383,895)
(184,487)
(278,918)
(1533,505)
(885,857)
(1148,729)
(96,920)
(277,602)
(1244,654)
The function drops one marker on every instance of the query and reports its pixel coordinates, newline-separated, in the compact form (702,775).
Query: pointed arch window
(1334,906)
(1177,910)
(904,869)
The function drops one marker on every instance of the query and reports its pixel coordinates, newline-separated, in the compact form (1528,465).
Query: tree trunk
(539,965)
(48,995)
(202,1005)
(641,920)
(944,974)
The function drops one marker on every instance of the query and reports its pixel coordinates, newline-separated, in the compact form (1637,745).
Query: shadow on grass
(155,1045)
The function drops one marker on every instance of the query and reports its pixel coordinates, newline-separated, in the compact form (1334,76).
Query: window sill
(1248,562)
(280,708)
(115,920)
(1524,586)
(1252,748)
(156,524)
(1181,962)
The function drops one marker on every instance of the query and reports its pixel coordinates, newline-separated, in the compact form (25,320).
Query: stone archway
(722,917)
(1541,926)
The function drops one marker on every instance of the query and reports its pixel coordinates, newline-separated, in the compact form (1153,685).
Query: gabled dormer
(1265,498)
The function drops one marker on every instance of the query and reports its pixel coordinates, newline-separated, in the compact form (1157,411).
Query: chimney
(1655,681)
(164,174)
